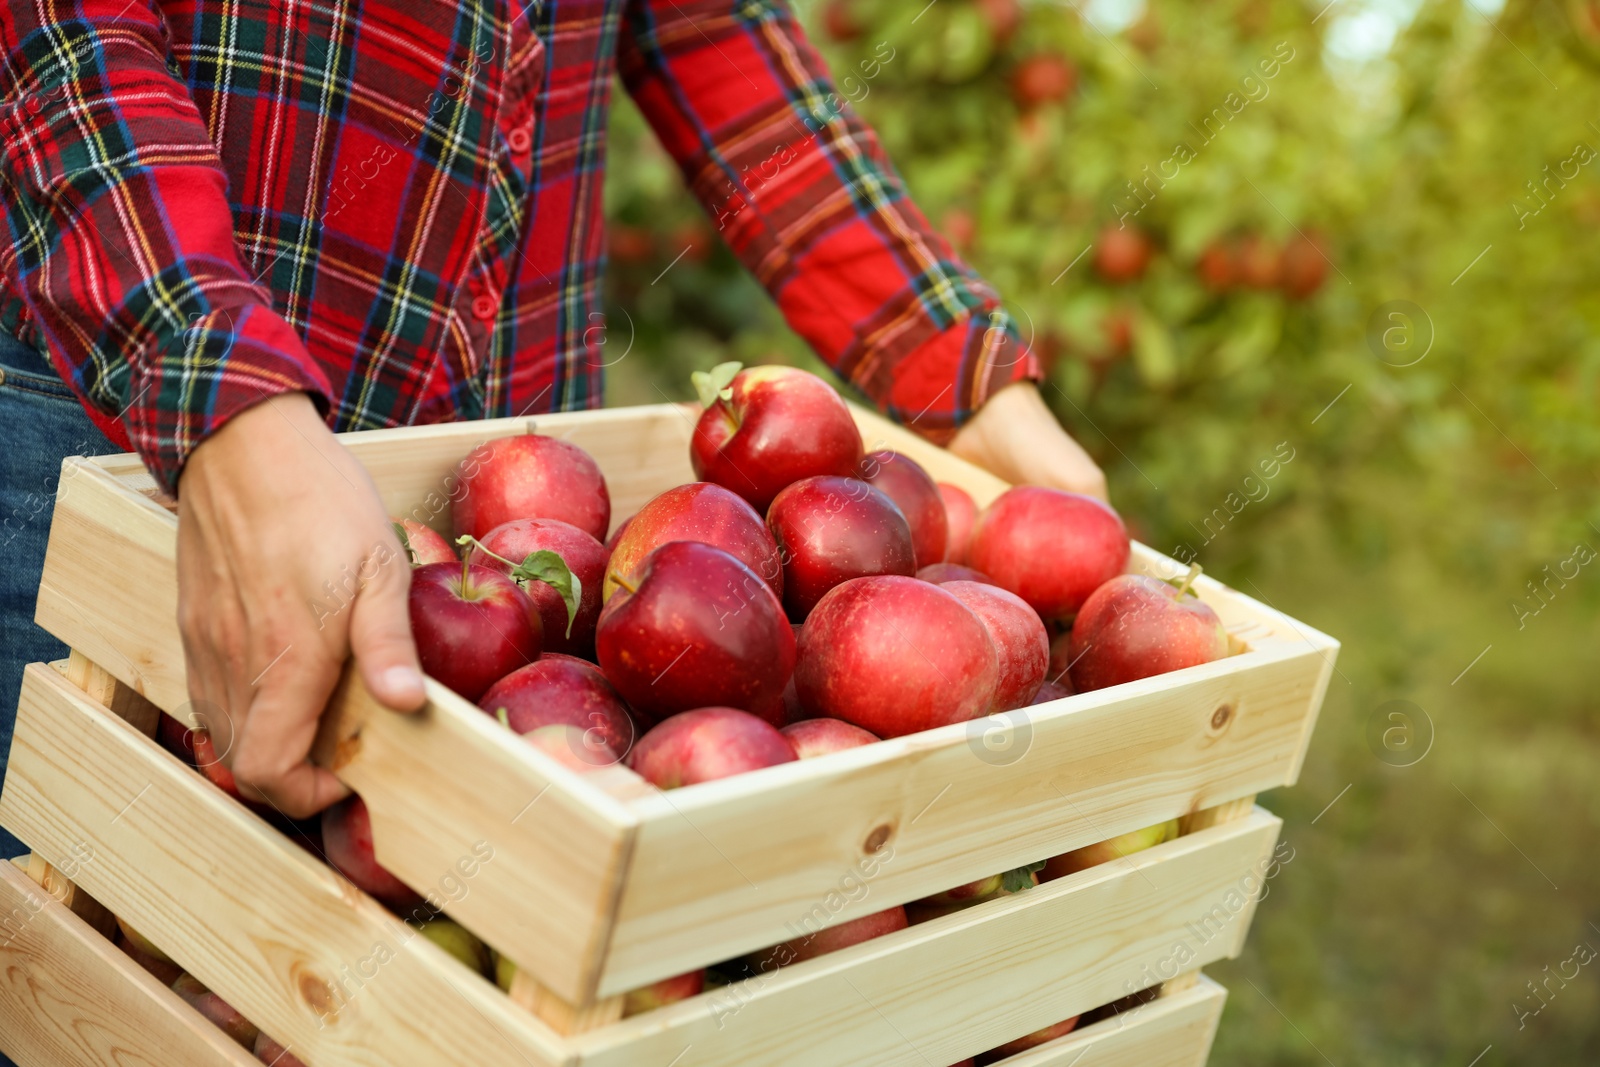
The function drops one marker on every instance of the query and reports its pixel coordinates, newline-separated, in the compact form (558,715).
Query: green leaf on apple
(405,543)
(1016,881)
(547,567)
(713,385)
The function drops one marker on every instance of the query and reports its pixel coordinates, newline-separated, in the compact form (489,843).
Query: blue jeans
(41,423)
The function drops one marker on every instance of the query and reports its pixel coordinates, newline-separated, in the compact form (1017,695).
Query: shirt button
(521,140)
(485,307)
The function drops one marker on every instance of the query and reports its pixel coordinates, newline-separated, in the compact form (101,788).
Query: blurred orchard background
(1383,260)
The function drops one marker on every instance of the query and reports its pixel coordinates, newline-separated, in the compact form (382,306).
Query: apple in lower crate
(699,511)
(769,427)
(667,991)
(895,656)
(165,971)
(473,625)
(830,530)
(1022,648)
(531,477)
(1051,690)
(940,573)
(970,892)
(1050,547)
(216,1010)
(562,689)
(177,737)
(347,841)
(209,763)
(269,1051)
(1127,844)
(458,941)
(1027,1041)
(693,627)
(820,737)
(582,554)
(961,515)
(830,939)
(425,543)
(1135,626)
(707,744)
(973,893)
(916,494)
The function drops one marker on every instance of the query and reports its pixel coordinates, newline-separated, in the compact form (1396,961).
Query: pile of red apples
(805,596)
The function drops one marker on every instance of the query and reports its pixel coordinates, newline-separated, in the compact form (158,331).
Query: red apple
(473,626)
(831,939)
(1050,691)
(347,841)
(974,893)
(1003,17)
(960,513)
(667,991)
(1082,859)
(209,763)
(1121,254)
(1257,263)
(830,530)
(903,480)
(701,512)
(585,558)
(767,427)
(532,477)
(707,744)
(694,627)
(425,544)
(819,737)
(269,1051)
(943,573)
(216,1010)
(1135,626)
(1216,267)
(1042,79)
(1050,547)
(970,892)
(575,749)
(1060,658)
(564,689)
(895,656)
(840,23)
(1305,266)
(177,737)
(1027,1041)
(1021,646)
(629,245)
(616,535)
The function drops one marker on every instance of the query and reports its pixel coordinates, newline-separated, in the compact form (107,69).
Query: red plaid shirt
(395,206)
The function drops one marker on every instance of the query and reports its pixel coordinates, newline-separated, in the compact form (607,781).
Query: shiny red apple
(1121,253)
(769,427)
(1021,645)
(667,991)
(1027,1041)
(916,494)
(564,689)
(830,530)
(1135,626)
(699,511)
(819,737)
(1050,547)
(347,845)
(941,573)
(895,656)
(217,1011)
(694,627)
(473,626)
(961,514)
(531,477)
(583,555)
(707,744)
(426,544)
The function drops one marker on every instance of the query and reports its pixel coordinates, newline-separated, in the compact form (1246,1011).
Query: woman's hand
(1016,437)
(287,565)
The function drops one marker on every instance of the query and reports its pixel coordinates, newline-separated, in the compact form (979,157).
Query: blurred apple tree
(1359,233)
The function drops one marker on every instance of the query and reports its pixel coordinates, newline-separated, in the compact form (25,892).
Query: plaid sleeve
(802,191)
(120,237)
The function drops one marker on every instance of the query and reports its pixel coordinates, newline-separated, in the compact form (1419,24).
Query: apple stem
(468,539)
(1188,580)
(620,580)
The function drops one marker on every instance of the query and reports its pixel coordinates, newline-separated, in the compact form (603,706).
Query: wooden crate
(601,884)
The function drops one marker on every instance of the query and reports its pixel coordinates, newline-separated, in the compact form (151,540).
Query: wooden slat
(271,929)
(722,868)
(957,985)
(1172,1031)
(69,998)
